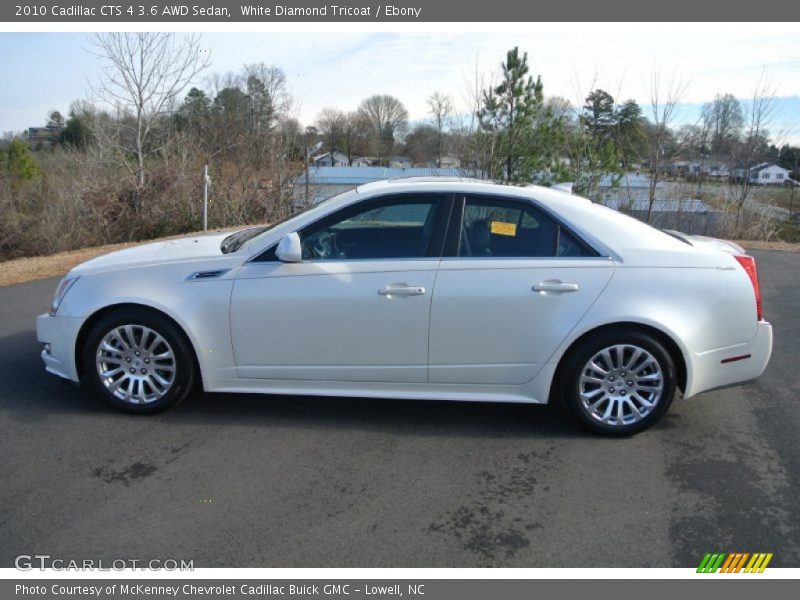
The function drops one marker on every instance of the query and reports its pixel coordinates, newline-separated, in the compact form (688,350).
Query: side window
(507,229)
(398,228)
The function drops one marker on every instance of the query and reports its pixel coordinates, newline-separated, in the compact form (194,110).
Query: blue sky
(44,71)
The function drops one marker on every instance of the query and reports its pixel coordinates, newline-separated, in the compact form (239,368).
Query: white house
(448,162)
(765,174)
(330,159)
(400,162)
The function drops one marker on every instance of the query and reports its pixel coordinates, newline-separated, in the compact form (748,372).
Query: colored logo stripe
(710,563)
(758,563)
(734,563)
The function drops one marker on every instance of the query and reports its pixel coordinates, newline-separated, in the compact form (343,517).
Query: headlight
(61,291)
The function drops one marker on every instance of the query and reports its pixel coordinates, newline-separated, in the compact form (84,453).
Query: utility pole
(316,147)
(206,183)
(792,181)
(308,159)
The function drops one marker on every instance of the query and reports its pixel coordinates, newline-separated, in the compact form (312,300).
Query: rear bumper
(59,335)
(731,365)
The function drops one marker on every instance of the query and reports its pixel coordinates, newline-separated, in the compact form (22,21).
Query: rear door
(515,284)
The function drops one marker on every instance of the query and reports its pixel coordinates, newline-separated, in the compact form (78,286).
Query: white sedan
(440,289)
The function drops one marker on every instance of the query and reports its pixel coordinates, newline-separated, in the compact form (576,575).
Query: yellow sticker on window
(501,228)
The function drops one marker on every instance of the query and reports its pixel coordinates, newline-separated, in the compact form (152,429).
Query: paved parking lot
(231,480)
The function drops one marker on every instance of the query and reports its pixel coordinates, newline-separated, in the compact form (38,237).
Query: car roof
(610,232)
(467,184)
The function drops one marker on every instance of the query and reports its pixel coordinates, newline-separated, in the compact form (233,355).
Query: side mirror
(290,249)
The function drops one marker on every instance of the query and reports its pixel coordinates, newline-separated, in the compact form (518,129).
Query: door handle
(402,290)
(554,285)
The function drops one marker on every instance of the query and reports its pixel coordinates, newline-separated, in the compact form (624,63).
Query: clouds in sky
(48,70)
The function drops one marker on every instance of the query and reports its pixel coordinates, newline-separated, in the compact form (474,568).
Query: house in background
(337,159)
(48,135)
(448,162)
(764,174)
(719,172)
(330,159)
(400,162)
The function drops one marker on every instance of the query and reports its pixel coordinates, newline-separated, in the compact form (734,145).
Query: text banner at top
(238,11)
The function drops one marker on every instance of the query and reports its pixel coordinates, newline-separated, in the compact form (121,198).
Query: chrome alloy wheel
(621,385)
(136,364)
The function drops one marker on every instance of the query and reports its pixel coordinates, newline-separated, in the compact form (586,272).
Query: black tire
(578,358)
(184,365)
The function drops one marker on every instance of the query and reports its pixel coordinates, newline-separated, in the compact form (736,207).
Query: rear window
(508,229)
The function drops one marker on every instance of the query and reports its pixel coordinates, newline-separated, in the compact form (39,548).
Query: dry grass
(41,267)
(21,270)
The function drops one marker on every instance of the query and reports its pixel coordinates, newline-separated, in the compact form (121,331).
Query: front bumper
(60,335)
(708,371)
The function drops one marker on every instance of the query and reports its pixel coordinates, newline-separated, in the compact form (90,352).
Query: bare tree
(664,99)
(475,149)
(275,85)
(723,119)
(387,117)
(694,142)
(440,109)
(331,125)
(144,73)
(758,116)
(355,135)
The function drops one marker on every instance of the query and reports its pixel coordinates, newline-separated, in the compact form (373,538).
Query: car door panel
(328,320)
(517,281)
(489,326)
(357,308)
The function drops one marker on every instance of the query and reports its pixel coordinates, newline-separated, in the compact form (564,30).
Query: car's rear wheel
(618,383)
(138,360)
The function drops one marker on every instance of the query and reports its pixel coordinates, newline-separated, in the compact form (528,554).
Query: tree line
(129,165)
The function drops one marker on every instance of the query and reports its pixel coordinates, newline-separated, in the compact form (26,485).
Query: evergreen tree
(19,163)
(194,113)
(262,113)
(77,130)
(508,116)
(599,115)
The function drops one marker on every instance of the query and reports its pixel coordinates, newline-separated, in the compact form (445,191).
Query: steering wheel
(323,245)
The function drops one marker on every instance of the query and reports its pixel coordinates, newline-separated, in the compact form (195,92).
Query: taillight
(749,265)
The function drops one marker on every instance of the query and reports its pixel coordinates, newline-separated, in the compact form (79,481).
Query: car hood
(183,249)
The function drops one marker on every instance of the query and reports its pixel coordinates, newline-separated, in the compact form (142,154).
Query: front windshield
(318,207)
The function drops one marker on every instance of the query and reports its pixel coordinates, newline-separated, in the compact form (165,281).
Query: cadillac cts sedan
(441,289)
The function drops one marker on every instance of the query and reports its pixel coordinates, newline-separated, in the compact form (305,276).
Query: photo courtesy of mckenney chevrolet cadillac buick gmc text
(441,289)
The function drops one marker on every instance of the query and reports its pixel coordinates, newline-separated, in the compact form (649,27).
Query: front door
(357,308)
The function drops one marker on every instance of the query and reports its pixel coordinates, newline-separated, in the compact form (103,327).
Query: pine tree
(507,119)
(19,163)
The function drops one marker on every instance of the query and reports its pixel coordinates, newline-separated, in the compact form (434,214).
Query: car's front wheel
(619,383)
(138,360)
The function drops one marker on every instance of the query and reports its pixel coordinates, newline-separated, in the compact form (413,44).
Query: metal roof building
(660,205)
(326,182)
(355,176)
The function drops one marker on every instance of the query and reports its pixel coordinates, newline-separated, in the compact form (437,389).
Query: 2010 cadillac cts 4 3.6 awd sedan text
(425,289)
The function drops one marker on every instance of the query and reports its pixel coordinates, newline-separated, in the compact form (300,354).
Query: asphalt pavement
(278,481)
